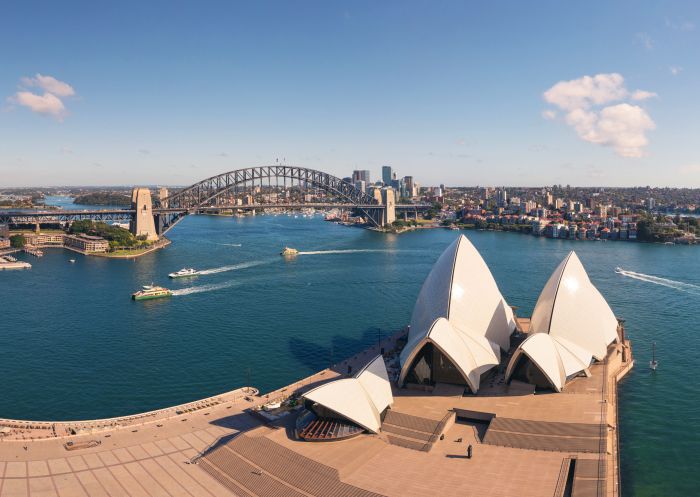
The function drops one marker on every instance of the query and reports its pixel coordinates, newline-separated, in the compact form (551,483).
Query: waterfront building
(460,322)
(571,326)
(86,243)
(4,243)
(387,175)
(41,239)
(4,231)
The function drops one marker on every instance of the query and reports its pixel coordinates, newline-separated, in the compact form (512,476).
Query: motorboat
(289,251)
(619,270)
(72,261)
(184,272)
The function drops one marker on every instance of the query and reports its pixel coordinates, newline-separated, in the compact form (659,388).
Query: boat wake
(235,267)
(346,251)
(204,288)
(676,285)
(230,244)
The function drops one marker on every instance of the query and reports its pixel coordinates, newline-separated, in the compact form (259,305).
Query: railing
(603,456)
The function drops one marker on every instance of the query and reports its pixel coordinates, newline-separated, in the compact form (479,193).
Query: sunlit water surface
(74,345)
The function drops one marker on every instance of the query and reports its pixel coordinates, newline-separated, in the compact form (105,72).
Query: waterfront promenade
(186,451)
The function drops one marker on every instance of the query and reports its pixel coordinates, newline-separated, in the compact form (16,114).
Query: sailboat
(653,363)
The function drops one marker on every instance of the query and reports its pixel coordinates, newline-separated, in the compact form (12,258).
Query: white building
(460,322)
(571,326)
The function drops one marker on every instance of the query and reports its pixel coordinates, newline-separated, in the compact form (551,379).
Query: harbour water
(74,345)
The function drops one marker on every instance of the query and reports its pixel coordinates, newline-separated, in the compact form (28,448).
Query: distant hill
(103,198)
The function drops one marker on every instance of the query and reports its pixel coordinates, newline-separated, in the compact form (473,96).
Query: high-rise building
(386,175)
(651,204)
(501,197)
(548,199)
(360,175)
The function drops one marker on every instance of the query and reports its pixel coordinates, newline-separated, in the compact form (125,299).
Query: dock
(9,262)
(524,444)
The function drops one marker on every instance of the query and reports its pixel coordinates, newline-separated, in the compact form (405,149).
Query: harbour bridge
(265,187)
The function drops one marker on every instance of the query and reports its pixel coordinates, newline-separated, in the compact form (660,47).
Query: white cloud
(50,103)
(645,40)
(549,114)
(675,70)
(680,25)
(622,126)
(587,91)
(41,104)
(642,95)
(50,84)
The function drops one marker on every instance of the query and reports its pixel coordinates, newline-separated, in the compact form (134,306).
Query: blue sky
(448,92)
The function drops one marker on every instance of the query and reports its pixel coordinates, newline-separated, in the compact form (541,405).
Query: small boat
(289,251)
(72,261)
(454,228)
(184,272)
(653,363)
(151,292)
(618,270)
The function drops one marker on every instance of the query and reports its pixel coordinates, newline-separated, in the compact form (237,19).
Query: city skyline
(459,95)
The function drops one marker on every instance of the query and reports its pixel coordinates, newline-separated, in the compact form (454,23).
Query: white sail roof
(462,312)
(470,353)
(556,357)
(460,287)
(571,324)
(360,399)
(570,307)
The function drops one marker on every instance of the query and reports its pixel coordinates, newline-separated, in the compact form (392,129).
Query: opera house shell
(460,322)
(571,325)
(361,399)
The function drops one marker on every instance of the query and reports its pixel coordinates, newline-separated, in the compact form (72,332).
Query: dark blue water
(73,344)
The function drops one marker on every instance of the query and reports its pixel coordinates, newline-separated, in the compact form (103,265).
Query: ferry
(184,272)
(151,292)
(289,251)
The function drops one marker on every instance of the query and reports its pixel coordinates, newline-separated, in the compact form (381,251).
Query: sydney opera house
(469,400)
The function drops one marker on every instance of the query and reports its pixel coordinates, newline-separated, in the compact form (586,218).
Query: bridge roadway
(62,216)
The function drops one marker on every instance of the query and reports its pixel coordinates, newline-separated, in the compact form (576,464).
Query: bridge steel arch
(189,200)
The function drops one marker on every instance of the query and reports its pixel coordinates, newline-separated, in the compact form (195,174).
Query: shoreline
(207,423)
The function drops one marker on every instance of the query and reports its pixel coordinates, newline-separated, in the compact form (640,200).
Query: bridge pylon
(143,223)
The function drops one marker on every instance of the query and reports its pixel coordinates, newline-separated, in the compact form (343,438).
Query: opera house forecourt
(469,400)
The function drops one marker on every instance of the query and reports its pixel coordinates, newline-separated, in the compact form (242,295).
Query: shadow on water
(316,356)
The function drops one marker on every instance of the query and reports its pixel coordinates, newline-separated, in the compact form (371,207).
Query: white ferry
(184,272)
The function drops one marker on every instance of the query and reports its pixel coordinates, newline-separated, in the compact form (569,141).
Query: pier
(524,444)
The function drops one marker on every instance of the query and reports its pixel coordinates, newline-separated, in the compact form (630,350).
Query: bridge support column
(143,223)
(389,201)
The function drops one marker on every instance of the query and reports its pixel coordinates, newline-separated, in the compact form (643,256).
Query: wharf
(522,447)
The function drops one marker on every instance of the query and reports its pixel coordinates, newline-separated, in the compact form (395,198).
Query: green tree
(17,241)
